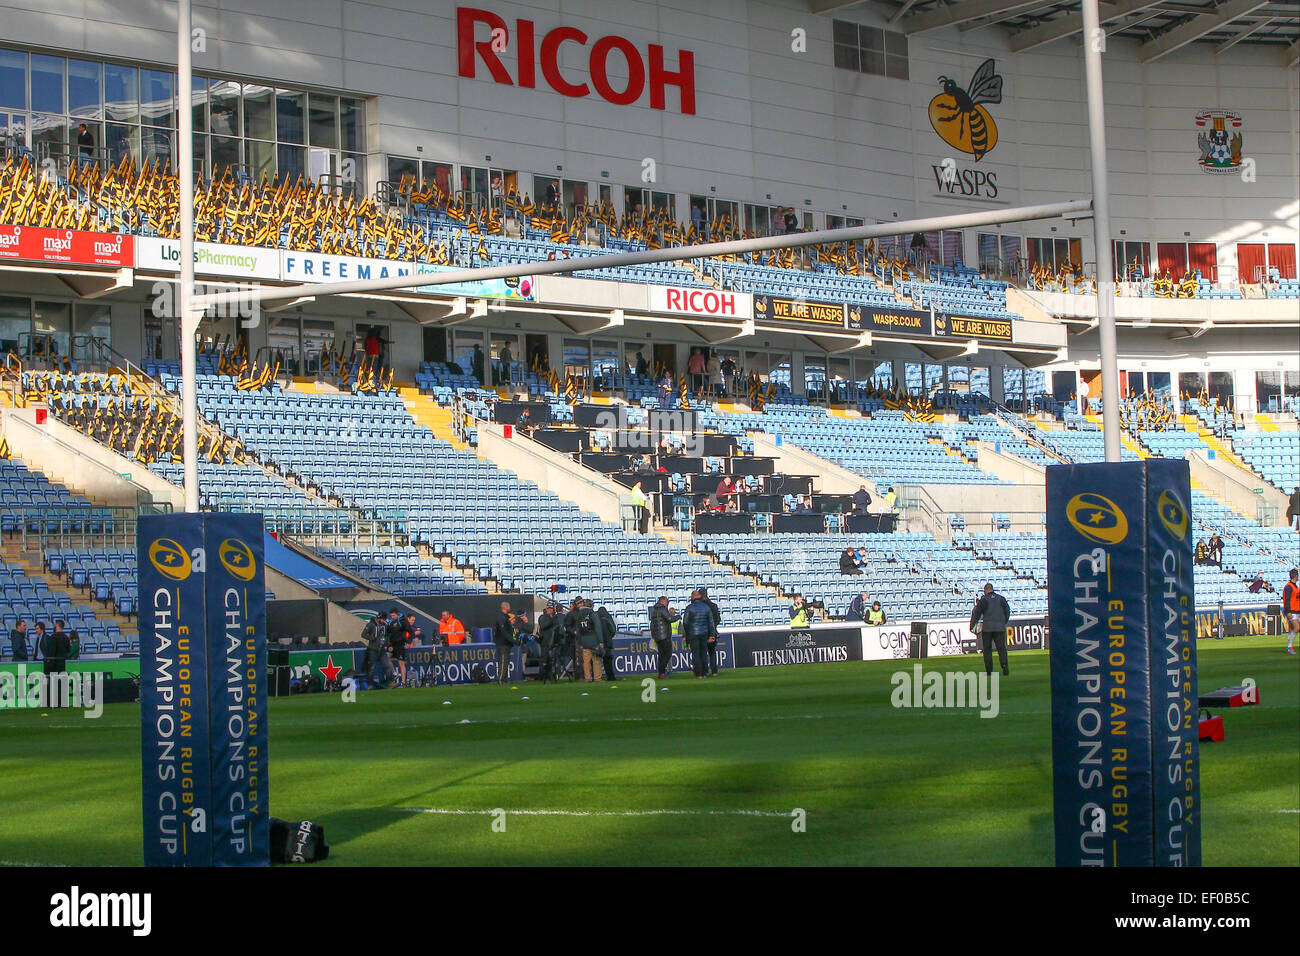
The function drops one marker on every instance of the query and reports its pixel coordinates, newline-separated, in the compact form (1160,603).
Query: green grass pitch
(675,781)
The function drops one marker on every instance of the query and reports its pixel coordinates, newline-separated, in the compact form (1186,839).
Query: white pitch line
(459,812)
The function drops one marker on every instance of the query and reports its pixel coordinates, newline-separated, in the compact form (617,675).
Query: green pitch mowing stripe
(709,773)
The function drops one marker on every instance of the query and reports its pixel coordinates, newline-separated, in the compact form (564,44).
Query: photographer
(587,628)
(400,636)
(375,634)
(802,612)
(608,629)
(662,619)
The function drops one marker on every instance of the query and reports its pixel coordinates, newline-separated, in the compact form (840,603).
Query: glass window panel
(291,162)
(873,62)
(357,173)
(323,118)
(352,116)
(156,146)
(199,104)
(225,155)
(289,121)
(896,67)
(846,57)
(895,43)
(157,98)
(92,322)
(399,168)
(260,158)
(259,112)
(13,79)
(123,142)
(85,89)
(224,108)
(47,83)
(122,93)
(52,325)
(871,38)
(15,322)
(844,32)
(49,132)
(201,155)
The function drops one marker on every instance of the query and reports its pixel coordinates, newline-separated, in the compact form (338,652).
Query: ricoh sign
(708,303)
(483,36)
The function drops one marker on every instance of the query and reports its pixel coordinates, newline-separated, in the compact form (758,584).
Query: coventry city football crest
(1220,140)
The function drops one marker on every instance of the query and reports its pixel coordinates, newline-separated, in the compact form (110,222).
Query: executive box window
(870,50)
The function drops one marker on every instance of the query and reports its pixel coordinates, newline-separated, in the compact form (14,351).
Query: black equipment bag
(301,842)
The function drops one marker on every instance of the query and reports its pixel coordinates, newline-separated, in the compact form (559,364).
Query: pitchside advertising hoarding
(1123,665)
(203,690)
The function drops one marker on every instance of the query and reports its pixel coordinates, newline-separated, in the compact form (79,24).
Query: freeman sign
(961,327)
(628,61)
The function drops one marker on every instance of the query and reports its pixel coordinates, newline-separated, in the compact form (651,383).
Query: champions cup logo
(237,558)
(1097,518)
(958,117)
(169,559)
(1172,514)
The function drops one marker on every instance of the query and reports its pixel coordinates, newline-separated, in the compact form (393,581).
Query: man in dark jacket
(861,500)
(400,635)
(993,614)
(587,627)
(375,634)
(858,608)
(503,636)
(849,562)
(548,631)
(18,640)
(661,632)
(698,627)
(54,649)
(607,631)
(1293,510)
(712,645)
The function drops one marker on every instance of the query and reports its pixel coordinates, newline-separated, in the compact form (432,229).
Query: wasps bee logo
(958,116)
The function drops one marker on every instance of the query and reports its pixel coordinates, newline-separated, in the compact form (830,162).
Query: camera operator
(662,619)
(802,613)
(400,636)
(503,636)
(375,634)
(587,627)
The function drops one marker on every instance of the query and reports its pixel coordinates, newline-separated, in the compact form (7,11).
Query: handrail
(142,494)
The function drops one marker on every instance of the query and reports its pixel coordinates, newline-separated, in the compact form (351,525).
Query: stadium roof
(1160,26)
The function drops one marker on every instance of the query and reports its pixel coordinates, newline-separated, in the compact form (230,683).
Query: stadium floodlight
(1094,43)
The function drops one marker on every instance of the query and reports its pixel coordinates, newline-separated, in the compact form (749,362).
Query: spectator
(666,391)
(728,374)
(450,628)
(864,562)
(697,216)
(641,507)
(726,490)
(791,221)
(858,608)
(552,192)
(662,620)
(875,616)
(1293,510)
(891,499)
(698,626)
(641,366)
(548,635)
(1202,553)
(38,641)
(992,614)
(714,370)
(374,346)
(1259,584)
(805,506)
(400,636)
(695,367)
(1216,549)
(712,645)
(505,362)
(503,636)
(849,563)
(608,630)
(476,363)
(861,500)
(85,142)
(18,640)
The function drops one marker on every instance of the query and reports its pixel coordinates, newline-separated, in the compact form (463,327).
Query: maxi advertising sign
(202,690)
(1114,574)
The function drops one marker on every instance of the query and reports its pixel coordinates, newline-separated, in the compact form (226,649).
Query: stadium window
(1281,256)
(199,105)
(400,168)
(1252,262)
(1191,383)
(463,343)
(1204,256)
(86,89)
(121,93)
(871,50)
(13,80)
(15,322)
(224,106)
(123,142)
(1159,383)
(259,158)
(52,322)
(291,161)
(226,155)
(259,112)
(435,174)
(352,123)
(155,146)
(575,196)
(282,335)
(1221,387)
(838,381)
(290,107)
(201,154)
(1172,257)
(1132,261)
(49,135)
